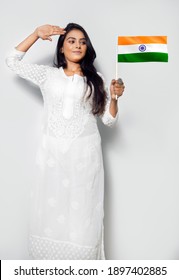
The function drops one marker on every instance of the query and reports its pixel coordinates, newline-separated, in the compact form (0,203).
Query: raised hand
(46,31)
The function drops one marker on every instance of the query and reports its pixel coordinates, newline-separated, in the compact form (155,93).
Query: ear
(61,50)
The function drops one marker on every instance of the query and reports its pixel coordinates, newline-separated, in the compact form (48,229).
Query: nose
(78,45)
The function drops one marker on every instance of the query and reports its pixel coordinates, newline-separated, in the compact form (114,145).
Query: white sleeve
(106,117)
(32,72)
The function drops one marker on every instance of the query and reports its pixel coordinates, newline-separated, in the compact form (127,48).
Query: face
(74,46)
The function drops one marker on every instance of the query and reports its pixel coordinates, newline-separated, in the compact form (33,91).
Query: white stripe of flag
(124,49)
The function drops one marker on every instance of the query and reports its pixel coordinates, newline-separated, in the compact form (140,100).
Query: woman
(67,201)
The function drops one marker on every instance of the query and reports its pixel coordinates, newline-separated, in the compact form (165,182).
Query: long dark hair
(94,81)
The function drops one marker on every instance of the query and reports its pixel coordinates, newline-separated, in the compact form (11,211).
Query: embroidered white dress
(67,199)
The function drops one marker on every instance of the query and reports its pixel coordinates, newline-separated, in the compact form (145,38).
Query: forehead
(75,33)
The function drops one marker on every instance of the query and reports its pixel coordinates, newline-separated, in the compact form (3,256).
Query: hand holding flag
(116,88)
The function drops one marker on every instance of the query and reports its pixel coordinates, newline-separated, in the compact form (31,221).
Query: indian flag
(142,49)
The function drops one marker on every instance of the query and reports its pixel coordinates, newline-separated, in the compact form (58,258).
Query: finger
(120,81)
(49,38)
(58,28)
(119,86)
(58,32)
(113,82)
(118,89)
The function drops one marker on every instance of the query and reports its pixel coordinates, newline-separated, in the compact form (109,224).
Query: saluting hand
(46,31)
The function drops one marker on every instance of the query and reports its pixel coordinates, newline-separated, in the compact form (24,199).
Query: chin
(76,60)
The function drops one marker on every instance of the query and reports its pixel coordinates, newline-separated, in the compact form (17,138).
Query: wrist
(114,98)
(35,33)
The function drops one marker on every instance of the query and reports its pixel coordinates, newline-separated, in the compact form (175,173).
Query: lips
(77,52)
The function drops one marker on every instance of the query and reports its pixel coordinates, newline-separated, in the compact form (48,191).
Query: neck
(73,68)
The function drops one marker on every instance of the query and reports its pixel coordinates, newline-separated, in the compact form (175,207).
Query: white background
(141,154)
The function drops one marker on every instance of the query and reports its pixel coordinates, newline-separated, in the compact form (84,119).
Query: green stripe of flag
(143,57)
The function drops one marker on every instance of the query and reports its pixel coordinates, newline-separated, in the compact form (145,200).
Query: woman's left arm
(110,114)
(116,90)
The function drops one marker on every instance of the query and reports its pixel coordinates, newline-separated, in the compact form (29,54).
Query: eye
(71,41)
(83,42)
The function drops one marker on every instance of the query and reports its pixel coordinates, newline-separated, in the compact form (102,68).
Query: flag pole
(116,97)
(116,69)
(117,60)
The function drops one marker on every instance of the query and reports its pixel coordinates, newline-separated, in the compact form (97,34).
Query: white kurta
(67,200)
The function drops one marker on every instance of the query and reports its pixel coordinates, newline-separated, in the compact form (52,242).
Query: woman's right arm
(44,32)
(32,72)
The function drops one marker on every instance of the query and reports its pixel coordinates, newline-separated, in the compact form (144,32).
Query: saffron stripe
(143,57)
(130,40)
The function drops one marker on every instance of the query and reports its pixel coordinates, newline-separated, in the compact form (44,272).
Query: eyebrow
(75,38)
